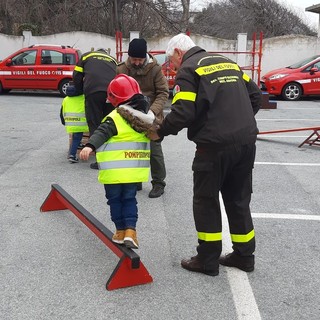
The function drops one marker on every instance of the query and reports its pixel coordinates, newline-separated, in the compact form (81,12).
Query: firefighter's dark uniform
(92,74)
(216,101)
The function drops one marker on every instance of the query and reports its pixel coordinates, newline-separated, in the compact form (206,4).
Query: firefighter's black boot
(234,260)
(195,265)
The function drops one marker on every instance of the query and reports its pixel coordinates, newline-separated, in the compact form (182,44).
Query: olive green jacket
(153,83)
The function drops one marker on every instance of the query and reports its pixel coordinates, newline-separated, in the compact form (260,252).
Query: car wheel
(63,86)
(3,91)
(292,91)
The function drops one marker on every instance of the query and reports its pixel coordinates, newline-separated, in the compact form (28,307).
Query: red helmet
(122,88)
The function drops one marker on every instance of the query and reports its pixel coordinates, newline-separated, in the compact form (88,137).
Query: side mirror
(314,70)
(9,62)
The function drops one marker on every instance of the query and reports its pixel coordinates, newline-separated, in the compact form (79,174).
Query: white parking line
(243,297)
(316,120)
(244,300)
(282,136)
(312,108)
(289,164)
(286,216)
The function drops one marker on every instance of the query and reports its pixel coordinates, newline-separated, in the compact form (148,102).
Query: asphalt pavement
(53,267)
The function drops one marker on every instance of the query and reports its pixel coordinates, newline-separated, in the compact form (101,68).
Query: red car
(45,67)
(299,79)
(167,68)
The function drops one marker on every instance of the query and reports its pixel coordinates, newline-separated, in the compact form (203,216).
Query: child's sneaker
(118,236)
(73,159)
(130,239)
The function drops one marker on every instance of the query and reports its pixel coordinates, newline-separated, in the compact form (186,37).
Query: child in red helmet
(123,154)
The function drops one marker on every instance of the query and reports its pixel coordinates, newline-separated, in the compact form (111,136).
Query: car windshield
(161,58)
(25,58)
(303,62)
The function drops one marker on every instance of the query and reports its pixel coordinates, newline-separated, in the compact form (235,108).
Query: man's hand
(85,153)
(152,132)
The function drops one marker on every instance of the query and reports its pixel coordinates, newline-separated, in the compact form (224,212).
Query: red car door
(50,69)
(311,81)
(19,70)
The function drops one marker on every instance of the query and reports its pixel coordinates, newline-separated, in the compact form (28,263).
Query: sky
(297,6)
(300,5)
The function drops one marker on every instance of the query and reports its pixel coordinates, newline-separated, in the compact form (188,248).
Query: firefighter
(92,75)
(217,102)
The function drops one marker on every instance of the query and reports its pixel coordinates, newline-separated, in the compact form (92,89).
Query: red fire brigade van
(43,67)
(167,68)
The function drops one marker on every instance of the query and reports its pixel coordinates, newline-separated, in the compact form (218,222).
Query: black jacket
(94,71)
(214,99)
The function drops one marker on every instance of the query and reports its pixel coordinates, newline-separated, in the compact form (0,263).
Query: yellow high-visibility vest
(124,158)
(74,114)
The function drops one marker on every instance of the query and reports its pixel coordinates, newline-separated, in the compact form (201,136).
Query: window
(25,58)
(316,65)
(161,58)
(45,57)
(302,63)
(70,58)
(51,57)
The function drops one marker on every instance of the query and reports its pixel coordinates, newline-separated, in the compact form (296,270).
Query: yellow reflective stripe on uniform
(205,236)
(201,71)
(79,69)
(242,237)
(246,77)
(184,95)
(102,55)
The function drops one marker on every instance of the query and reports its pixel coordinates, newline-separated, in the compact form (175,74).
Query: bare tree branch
(224,18)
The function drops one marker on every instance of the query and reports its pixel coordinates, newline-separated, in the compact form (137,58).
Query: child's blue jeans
(76,140)
(123,204)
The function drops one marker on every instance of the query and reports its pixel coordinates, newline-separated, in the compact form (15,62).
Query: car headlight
(278,76)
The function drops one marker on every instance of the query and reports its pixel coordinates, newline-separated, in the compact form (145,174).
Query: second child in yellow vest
(72,115)
(123,154)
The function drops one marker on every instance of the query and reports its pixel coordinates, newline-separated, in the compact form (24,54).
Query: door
(52,69)
(20,72)
(311,82)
